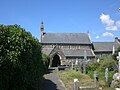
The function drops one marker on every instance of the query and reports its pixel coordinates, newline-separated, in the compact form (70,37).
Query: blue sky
(101,18)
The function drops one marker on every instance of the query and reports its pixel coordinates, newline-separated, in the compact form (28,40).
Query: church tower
(42,30)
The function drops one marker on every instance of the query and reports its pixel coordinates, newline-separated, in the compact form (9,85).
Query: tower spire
(42,30)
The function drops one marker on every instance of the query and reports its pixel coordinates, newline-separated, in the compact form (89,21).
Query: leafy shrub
(92,66)
(100,67)
(21,66)
(107,62)
(46,61)
(116,54)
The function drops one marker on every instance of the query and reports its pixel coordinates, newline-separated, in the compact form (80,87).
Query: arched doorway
(56,61)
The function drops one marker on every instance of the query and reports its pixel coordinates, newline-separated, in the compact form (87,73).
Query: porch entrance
(56,61)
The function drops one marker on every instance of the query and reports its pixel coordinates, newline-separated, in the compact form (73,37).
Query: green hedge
(21,65)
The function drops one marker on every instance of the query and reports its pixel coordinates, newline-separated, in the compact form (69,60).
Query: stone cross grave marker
(95,75)
(96,78)
(72,64)
(84,62)
(76,84)
(118,58)
(106,74)
(76,62)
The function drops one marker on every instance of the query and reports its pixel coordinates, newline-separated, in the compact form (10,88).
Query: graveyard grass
(69,75)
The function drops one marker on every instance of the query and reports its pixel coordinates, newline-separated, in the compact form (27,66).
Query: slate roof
(105,46)
(77,53)
(73,38)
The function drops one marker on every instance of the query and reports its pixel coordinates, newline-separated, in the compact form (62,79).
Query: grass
(69,75)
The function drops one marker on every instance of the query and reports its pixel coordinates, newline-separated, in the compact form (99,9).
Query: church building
(64,48)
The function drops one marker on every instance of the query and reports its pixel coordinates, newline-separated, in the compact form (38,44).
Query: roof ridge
(66,32)
(103,42)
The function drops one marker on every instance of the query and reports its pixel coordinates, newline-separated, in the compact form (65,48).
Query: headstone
(95,74)
(98,60)
(84,64)
(119,61)
(76,62)
(117,88)
(118,57)
(116,77)
(76,84)
(96,79)
(106,74)
(72,64)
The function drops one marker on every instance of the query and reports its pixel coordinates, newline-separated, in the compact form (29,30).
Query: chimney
(42,30)
(117,40)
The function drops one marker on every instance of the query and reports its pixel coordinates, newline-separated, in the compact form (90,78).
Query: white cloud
(97,37)
(118,24)
(109,23)
(108,34)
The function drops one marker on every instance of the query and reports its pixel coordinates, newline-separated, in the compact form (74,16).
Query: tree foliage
(21,65)
(107,62)
(116,54)
(46,61)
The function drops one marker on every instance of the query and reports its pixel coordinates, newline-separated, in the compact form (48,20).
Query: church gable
(57,50)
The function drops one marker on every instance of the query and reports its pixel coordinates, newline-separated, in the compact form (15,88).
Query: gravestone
(95,74)
(118,58)
(84,62)
(116,76)
(76,61)
(76,64)
(72,64)
(106,74)
(119,62)
(98,60)
(96,79)
(76,84)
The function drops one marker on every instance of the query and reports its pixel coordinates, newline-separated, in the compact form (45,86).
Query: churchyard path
(52,81)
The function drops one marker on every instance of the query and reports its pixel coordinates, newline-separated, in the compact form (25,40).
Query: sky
(101,18)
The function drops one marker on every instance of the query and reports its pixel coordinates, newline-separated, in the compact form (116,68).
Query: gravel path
(52,81)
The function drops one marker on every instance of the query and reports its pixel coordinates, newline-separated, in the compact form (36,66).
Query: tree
(116,54)
(21,65)
(46,61)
